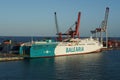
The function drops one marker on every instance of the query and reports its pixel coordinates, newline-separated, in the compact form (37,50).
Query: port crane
(103,27)
(70,32)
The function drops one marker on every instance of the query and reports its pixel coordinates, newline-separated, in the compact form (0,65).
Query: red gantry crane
(70,32)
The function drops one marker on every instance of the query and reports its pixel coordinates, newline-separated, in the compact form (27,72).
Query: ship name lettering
(74,49)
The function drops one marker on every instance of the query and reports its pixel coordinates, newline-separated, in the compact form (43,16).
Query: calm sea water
(95,66)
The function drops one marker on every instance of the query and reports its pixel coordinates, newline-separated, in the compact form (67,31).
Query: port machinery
(70,33)
(103,28)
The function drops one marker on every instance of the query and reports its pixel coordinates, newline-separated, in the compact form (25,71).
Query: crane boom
(56,23)
(70,32)
(78,25)
(106,17)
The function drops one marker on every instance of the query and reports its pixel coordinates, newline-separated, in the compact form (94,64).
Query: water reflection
(96,66)
(86,66)
(39,68)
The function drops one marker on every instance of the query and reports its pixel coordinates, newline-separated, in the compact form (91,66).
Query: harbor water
(95,66)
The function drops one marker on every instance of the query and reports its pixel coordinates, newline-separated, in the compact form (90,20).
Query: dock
(10,57)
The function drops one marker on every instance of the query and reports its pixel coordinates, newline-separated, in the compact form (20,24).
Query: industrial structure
(103,28)
(70,33)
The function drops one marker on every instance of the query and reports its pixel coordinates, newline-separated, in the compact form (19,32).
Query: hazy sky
(36,17)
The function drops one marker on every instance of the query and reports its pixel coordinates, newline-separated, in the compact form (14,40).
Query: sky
(36,17)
